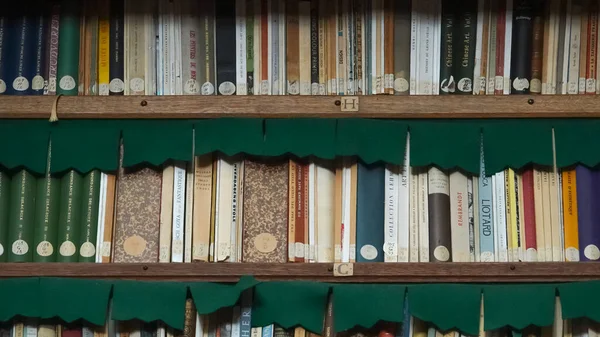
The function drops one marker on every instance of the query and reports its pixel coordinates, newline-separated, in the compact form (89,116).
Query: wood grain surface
(363,272)
(378,106)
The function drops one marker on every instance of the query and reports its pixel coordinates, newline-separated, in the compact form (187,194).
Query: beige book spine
(555,237)
(521,217)
(166,215)
(203,171)
(109,218)
(583,50)
(304,40)
(189,212)
(224,205)
(322,47)
(337,237)
(324,215)
(423,218)
(413,217)
(547,215)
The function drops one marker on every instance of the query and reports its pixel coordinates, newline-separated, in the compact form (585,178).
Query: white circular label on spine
(67,248)
(2,86)
(116,85)
(208,89)
(590,85)
(67,83)
(44,248)
(1,249)
(314,89)
(465,85)
(401,84)
(265,242)
(227,88)
(104,90)
(441,253)
(520,84)
(572,254)
(20,247)
(368,252)
(37,83)
(531,254)
(535,85)
(87,249)
(487,257)
(192,86)
(136,84)
(293,88)
(390,249)
(20,84)
(591,252)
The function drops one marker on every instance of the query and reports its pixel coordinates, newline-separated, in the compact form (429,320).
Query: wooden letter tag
(349,103)
(343,269)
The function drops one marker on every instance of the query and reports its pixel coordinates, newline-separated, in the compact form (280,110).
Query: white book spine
(403,202)
(423,218)
(178,214)
(101,217)
(240,50)
(508,46)
(390,245)
(310,247)
(478,82)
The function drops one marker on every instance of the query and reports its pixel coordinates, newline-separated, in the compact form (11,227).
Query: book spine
(46,217)
(69,223)
(225,35)
(20,217)
(3,48)
(586,214)
(68,49)
(117,48)
(486,214)
(4,212)
(40,72)
(447,83)
(314,47)
(250,49)
(440,245)
(570,211)
(89,216)
(370,214)
(23,55)
(521,69)
(464,52)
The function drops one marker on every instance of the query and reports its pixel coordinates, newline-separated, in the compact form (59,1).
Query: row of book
(217,208)
(299,47)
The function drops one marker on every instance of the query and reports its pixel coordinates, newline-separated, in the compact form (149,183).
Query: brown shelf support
(324,272)
(377,106)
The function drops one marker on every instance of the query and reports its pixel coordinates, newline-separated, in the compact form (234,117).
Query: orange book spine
(570,219)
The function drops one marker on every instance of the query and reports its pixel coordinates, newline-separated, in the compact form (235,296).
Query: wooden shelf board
(363,272)
(379,106)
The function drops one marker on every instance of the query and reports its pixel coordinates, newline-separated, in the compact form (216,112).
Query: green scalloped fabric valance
(293,303)
(87,144)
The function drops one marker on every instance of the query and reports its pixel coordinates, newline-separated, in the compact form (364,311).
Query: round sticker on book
(487,257)
(265,242)
(2,86)
(520,84)
(136,84)
(390,248)
(591,252)
(572,254)
(116,85)
(531,254)
(67,248)
(104,90)
(465,85)
(44,248)
(368,252)
(293,88)
(227,88)
(1,249)
(401,84)
(20,84)
(20,247)
(192,86)
(441,253)
(208,89)
(535,85)
(67,83)
(37,83)
(87,249)
(134,245)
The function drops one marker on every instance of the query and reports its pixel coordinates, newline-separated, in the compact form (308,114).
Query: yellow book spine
(103,54)
(570,220)
(514,230)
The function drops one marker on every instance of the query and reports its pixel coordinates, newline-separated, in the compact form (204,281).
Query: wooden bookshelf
(380,106)
(363,272)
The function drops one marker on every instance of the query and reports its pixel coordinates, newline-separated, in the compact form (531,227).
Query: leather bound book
(439,216)
(520,67)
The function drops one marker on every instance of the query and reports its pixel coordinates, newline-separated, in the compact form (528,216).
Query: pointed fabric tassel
(53,115)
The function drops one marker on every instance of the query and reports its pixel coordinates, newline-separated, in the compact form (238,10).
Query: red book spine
(529,210)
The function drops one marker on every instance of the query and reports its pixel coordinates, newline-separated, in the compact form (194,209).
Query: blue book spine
(41,62)
(587,213)
(267,331)
(370,217)
(246,314)
(22,56)
(3,44)
(486,231)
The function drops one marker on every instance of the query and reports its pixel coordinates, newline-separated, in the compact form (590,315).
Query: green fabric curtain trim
(94,144)
(293,303)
